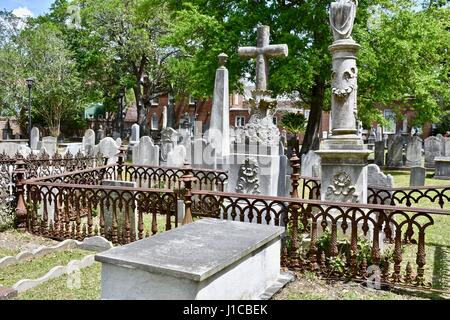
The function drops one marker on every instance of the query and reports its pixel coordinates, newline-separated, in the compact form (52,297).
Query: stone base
(344,176)
(442,165)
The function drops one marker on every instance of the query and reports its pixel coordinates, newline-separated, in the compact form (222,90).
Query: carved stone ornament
(342,17)
(343,84)
(248,179)
(262,130)
(342,189)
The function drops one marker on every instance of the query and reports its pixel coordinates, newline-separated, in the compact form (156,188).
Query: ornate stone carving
(342,189)
(248,179)
(342,17)
(168,141)
(262,130)
(343,83)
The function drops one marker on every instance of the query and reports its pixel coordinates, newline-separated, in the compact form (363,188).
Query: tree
(403,60)
(40,52)
(293,122)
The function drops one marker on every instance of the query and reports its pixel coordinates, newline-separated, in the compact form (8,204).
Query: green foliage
(294,122)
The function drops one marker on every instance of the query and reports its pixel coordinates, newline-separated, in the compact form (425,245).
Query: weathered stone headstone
(135,134)
(73,148)
(417,176)
(11,149)
(146,152)
(34,138)
(442,170)
(200,154)
(109,149)
(376,178)
(379,153)
(50,145)
(89,141)
(219,133)
(198,130)
(120,213)
(309,161)
(100,134)
(433,148)
(395,152)
(164,117)
(177,157)
(414,152)
(446,144)
(169,139)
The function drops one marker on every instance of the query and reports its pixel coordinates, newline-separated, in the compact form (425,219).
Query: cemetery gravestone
(177,157)
(446,144)
(379,153)
(433,148)
(50,145)
(414,152)
(109,149)
(310,162)
(417,177)
(395,152)
(34,138)
(146,152)
(169,139)
(442,170)
(89,142)
(376,178)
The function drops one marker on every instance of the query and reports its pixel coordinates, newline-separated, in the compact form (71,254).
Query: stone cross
(262,52)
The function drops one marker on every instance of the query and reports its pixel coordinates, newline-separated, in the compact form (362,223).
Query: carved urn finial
(223,58)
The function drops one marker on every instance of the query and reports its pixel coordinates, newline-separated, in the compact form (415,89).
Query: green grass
(4,252)
(401,178)
(57,289)
(38,267)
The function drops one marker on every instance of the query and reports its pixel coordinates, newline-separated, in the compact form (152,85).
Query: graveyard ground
(306,287)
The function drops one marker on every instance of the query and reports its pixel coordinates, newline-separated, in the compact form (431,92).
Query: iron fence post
(21,209)
(187,178)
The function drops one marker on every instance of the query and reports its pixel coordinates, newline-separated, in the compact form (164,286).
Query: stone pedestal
(208,259)
(442,165)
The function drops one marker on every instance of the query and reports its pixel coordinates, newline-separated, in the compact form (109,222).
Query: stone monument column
(219,130)
(343,154)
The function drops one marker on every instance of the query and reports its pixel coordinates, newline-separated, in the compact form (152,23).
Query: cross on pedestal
(262,52)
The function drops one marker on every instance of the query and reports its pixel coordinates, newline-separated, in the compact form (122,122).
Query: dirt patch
(20,241)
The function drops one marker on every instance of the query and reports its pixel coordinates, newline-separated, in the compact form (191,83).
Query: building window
(155,101)
(275,120)
(240,121)
(191,100)
(389,115)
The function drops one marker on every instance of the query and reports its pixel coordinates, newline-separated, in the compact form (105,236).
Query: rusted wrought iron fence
(120,214)
(410,196)
(170,178)
(334,239)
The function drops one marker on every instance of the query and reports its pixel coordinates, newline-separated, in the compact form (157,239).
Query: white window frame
(275,120)
(389,114)
(238,120)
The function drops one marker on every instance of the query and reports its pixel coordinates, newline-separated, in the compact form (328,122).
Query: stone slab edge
(55,272)
(96,243)
(283,279)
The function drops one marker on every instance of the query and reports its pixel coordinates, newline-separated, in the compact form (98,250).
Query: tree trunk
(140,110)
(311,140)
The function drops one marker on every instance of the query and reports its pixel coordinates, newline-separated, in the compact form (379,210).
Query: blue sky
(37,7)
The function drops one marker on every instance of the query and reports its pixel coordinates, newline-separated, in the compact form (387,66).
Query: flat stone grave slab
(206,260)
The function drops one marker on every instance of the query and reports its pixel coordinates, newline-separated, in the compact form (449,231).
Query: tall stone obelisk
(343,154)
(219,130)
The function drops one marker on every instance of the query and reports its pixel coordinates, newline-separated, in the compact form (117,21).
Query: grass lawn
(38,267)
(309,287)
(57,289)
(4,252)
